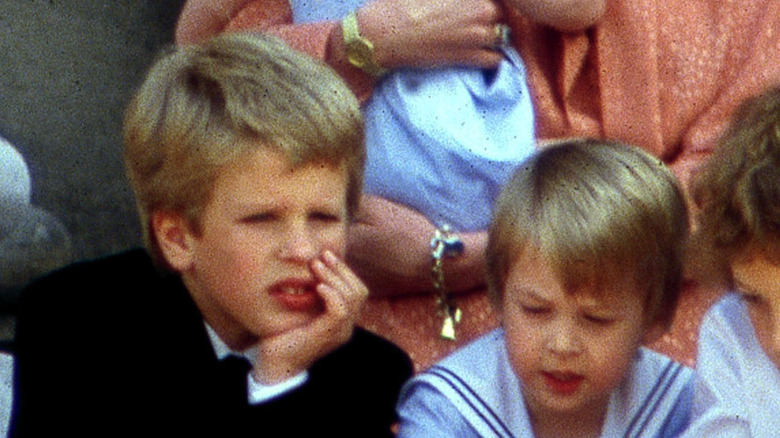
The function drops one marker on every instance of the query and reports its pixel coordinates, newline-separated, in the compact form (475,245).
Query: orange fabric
(412,323)
(664,75)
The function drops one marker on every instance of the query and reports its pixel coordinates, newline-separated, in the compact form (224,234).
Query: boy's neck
(585,424)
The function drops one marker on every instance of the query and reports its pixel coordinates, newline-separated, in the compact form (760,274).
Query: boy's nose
(299,244)
(564,339)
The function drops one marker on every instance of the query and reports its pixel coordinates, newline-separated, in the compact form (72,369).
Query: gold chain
(445,303)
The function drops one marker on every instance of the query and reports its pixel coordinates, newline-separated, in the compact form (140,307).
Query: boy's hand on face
(289,353)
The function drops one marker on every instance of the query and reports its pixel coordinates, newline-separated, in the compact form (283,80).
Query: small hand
(292,352)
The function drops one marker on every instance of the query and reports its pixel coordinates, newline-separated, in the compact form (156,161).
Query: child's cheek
(335,240)
(521,351)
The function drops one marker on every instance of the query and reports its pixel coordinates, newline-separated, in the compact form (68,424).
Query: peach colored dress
(661,74)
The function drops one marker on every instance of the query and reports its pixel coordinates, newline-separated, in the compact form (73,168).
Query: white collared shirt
(256,392)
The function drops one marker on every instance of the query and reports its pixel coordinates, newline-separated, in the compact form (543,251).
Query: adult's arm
(563,15)
(389,248)
(404,32)
(200,19)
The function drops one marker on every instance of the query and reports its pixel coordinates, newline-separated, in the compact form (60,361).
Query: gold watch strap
(352,38)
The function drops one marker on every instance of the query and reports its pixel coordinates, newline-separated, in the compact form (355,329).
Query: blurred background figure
(32,242)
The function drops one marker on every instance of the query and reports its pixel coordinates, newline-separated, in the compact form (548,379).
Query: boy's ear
(174,238)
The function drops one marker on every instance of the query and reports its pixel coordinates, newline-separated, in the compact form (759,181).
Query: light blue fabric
(474,393)
(442,141)
(738,391)
(445,141)
(309,11)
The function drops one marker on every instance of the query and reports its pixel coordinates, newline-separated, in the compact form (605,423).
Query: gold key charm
(448,328)
(451,317)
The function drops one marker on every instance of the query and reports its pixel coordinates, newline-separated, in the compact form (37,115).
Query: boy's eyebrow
(601,308)
(257,206)
(272,206)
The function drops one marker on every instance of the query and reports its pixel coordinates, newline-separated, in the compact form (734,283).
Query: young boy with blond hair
(584,266)
(738,392)
(246,158)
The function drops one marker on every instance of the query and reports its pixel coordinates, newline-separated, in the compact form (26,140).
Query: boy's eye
(598,319)
(259,218)
(322,216)
(535,310)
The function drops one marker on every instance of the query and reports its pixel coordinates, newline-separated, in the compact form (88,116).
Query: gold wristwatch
(360,51)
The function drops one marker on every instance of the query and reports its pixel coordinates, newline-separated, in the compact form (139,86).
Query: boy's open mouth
(296,295)
(564,383)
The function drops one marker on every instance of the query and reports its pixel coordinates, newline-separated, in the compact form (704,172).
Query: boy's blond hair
(597,211)
(205,106)
(739,187)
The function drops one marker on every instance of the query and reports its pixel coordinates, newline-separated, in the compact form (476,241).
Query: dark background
(67,69)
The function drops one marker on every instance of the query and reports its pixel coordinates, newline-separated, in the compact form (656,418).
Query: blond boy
(246,159)
(584,266)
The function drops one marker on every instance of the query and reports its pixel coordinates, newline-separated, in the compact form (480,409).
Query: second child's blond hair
(203,107)
(596,211)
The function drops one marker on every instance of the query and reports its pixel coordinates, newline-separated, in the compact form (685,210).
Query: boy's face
(758,280)
(569,349)
(249,267)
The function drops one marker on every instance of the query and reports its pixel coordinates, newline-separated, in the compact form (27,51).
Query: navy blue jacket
(113,348)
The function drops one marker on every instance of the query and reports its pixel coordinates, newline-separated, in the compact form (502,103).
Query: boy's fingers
(334,273)
(335,303)
(329,285)
(347,276)
(328,275)
(337,322)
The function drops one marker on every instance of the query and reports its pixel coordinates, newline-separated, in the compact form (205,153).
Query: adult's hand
(431,33)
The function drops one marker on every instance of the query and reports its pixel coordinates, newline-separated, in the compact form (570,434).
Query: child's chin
(296,320)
